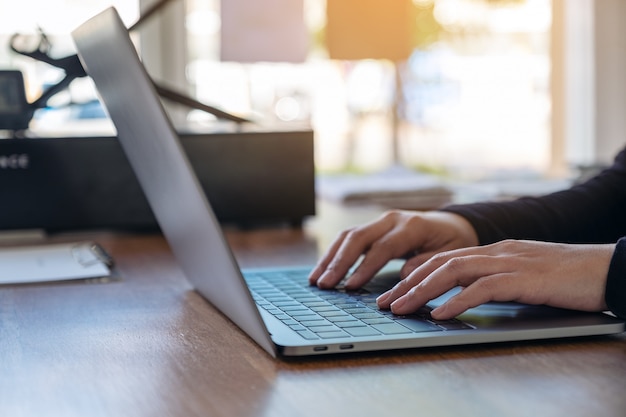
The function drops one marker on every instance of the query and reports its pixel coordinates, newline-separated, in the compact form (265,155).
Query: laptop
(276,307)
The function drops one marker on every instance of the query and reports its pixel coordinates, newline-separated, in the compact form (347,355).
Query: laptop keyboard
(327,314)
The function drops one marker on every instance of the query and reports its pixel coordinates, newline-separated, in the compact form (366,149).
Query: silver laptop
(276,308)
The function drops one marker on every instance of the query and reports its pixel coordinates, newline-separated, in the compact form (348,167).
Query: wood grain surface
(145,344)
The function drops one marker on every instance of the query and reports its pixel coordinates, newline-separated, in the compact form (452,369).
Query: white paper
(56,262)
(393,188)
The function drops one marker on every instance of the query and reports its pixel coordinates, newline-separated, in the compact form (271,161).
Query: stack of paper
(400,189)
(55,262)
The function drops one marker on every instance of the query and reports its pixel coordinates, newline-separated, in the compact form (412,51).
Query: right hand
(414,236)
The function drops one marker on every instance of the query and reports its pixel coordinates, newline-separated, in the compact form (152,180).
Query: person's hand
(559,275)
(414,236)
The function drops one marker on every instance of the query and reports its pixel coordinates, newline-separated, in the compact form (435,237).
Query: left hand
(559,275)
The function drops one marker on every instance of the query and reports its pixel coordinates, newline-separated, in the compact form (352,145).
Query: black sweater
(591,212)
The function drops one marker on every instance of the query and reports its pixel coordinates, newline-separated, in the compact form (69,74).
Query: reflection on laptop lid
(275,308)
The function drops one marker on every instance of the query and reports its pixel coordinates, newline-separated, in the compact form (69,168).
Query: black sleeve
(615,295)
(591,212)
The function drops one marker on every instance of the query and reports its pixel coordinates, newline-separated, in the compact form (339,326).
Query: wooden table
(145,344)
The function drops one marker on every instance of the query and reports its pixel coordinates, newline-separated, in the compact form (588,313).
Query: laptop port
(320,348)
(346,347)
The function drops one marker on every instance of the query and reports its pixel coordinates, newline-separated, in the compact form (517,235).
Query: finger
(326,259)
(355,242)
(336,263)
(497,287)
(414,262)
(447,273)
(446,252)
(414,277)
(393,245)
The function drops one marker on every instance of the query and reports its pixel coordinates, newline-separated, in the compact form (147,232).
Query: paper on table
(56,262)
(401,189)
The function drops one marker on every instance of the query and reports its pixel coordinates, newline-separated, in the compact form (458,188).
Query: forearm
(593,212)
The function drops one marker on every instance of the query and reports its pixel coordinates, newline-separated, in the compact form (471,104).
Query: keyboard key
(308,335)
(305,317)
(333,313)
(325,307)
(342,318)
(292,310)
(353,308)
(312,304)
(391,328)
(349,323)
(322,329)
(332,335)
(452,325)
(361,331)
(379,320)
(285,302)
(307,301)
(314,323)
(418,326)
(277,298)
(368,315)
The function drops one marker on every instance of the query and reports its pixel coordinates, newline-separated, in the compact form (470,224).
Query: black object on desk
(251,177)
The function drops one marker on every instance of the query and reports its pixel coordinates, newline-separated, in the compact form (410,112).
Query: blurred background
(468,89)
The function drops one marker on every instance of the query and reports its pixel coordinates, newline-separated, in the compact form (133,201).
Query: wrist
(464,230)
(615,293)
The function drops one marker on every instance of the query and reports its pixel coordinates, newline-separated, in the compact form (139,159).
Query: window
(476,98)
(477,93)
(56,18)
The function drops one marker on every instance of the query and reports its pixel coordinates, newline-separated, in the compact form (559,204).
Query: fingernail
(349,284)
(438,311)
(314,276)
(322,281)
(383,298)
(398,304)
